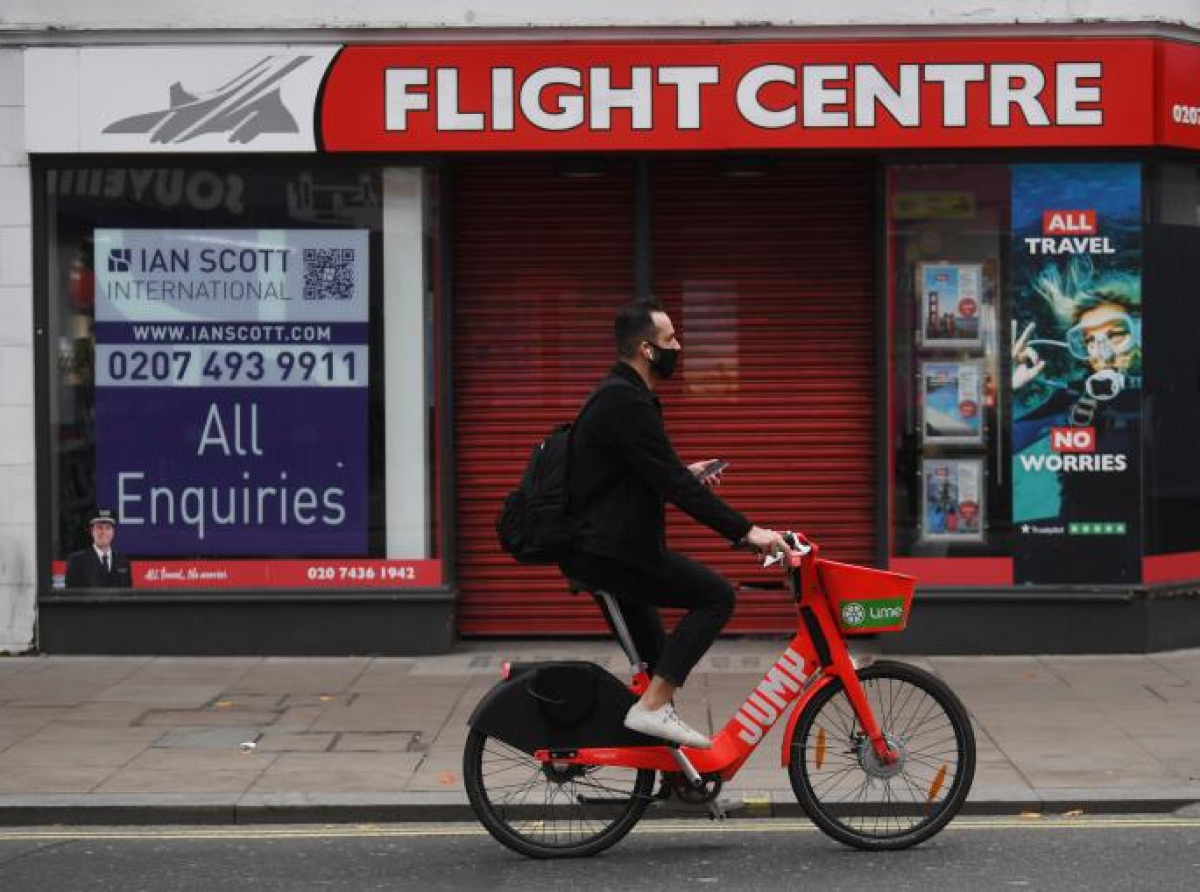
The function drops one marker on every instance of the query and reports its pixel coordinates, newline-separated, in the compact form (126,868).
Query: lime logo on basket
(873,614)
(853,613)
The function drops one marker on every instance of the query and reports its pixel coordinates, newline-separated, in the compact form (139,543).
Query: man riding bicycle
(623,471)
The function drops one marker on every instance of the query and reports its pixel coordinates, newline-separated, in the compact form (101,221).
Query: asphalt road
(1127,852)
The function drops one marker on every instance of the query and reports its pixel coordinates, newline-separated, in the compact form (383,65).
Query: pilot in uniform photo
(99,565)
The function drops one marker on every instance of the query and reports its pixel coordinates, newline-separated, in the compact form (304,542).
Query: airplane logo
(245,107)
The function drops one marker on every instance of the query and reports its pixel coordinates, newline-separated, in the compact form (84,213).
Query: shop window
(1177,194)
(240,379)
(1172,435)
(947,232)
(1017,370)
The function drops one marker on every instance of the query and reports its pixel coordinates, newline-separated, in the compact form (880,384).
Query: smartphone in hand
(713,468)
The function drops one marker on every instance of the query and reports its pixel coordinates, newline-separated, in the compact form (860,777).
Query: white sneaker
(666,724)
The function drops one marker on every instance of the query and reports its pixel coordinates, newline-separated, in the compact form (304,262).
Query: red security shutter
(768,280)
(542,260)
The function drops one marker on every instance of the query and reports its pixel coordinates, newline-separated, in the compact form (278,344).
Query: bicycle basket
(866,600)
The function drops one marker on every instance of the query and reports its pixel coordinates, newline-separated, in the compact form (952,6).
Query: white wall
(406,412)
(142,15)
(16,368)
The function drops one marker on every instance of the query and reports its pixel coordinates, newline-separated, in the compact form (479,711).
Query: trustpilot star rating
(1098,528)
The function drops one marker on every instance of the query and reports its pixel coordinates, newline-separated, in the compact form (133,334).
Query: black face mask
(664,361)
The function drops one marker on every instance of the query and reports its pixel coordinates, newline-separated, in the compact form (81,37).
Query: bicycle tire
(541,815)
(828,731)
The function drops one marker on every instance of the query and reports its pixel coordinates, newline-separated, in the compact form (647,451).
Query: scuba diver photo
(1076,370)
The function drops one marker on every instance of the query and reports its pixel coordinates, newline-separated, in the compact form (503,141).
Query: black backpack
(534,524)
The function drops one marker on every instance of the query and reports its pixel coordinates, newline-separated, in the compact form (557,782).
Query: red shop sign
(753,95)
(1179,95)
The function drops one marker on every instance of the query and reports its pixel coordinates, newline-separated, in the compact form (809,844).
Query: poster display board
(949,294)
(952,499)
(1076,372)
(954,391)
(232,406)
(951,402)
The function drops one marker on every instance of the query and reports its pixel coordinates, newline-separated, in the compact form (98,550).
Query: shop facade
(299,309)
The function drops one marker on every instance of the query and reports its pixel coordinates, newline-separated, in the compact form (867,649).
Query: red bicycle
(880,755)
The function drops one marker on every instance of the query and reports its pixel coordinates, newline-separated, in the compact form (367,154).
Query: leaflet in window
(952,507)
(951,395)
(951,305)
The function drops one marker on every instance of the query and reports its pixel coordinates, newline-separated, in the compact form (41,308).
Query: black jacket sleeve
(643,443)
(77,573)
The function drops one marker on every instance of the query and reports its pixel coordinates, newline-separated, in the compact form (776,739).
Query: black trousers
(706,596)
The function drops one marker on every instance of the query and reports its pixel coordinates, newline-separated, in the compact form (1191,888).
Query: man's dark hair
(634,324)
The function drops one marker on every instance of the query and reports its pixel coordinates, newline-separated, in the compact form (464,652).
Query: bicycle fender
(525,712)
(794,717)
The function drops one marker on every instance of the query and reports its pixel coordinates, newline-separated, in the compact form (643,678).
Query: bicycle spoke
(919,743)
(843,710)
(832,782)
(923,717)
(933,760)
(903,707)
(918,799)
(929,736)
(524,787)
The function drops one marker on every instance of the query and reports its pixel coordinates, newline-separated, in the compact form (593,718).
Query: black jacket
(623,470)
(84,570)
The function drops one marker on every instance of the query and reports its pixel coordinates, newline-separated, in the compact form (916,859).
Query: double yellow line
(649,827)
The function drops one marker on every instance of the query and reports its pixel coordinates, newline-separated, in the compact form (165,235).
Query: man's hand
(698,469)
(768,542)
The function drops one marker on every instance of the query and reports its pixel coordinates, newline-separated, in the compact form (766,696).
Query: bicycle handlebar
(803,550)
(799,543)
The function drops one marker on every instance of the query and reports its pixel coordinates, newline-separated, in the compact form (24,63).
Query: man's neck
(643,369)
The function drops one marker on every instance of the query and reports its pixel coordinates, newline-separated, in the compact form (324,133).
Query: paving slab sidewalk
(138,740)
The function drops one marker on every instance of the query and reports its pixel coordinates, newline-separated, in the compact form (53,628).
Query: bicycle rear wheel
(861,802)
(548,810)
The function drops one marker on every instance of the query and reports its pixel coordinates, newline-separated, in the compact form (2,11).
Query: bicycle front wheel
(547,809)
(855,798)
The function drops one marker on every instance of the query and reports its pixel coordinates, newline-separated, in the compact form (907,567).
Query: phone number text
(387,572)
(193,365)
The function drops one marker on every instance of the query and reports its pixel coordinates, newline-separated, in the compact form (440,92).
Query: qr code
(328,273)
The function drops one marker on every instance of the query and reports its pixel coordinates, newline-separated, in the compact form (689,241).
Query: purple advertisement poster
(231,390)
